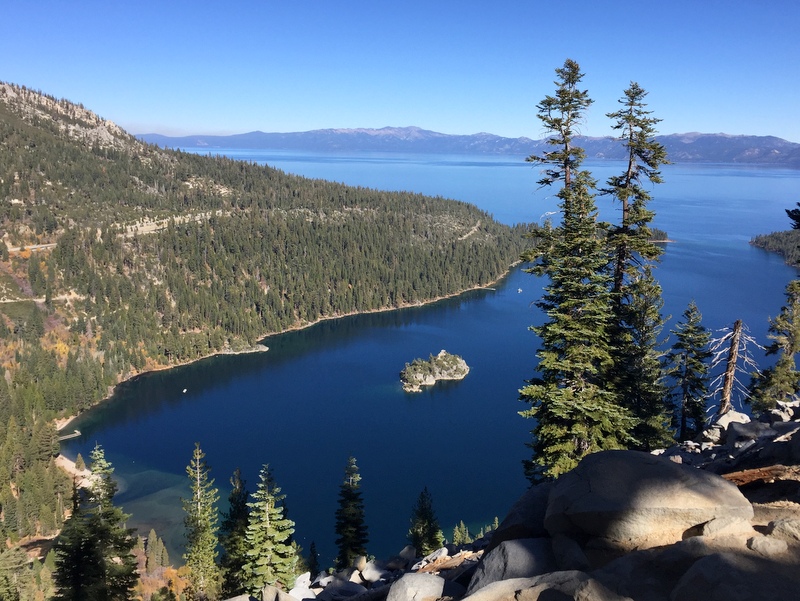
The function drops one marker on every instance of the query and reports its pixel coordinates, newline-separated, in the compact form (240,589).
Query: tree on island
(575,412)
(200,522)
(425,534)
(687,364)
(351,527)
(94,558)
(271,556)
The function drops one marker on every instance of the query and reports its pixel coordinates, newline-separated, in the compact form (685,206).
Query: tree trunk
(730,369)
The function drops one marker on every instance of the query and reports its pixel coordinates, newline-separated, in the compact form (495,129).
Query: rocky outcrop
(443,366)
(622,526)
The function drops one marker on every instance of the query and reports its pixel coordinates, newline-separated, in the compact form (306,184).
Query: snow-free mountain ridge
(688,147)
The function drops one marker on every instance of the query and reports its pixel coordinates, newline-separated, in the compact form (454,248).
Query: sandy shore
(82,477)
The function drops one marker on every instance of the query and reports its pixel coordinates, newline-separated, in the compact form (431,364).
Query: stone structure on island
(443,366)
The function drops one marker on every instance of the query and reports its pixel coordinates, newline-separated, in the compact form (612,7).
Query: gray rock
(637,500)
(372,572)
(340,589)
(556,586)
(568,554)
(650,574)
(714,435)
(360,562)
(785,528)
(732,416)
(271,593)
(423,587)
(522,558)
(738,434)
(403,559)
(526,518)
(733,576)
(767,545)
(726,525)
(302,592)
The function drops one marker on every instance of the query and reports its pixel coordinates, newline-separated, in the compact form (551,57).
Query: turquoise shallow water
(324,393)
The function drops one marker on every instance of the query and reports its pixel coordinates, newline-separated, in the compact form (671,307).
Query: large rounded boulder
(637,500)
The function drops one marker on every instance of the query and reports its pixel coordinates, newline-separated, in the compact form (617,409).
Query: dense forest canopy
(117,257)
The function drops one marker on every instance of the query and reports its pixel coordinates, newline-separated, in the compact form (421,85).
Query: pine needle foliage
(425,535)
(781,382)
(201,522)
(351,527)
(635,294)
(688,365)
(232,537)
(271,557)
(94,558)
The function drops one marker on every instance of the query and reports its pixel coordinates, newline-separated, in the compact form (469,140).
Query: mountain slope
(118,257)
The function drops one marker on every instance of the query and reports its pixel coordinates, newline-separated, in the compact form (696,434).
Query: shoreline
(63,422)
(82,478)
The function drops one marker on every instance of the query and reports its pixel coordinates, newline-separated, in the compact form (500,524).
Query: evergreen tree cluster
(602,382)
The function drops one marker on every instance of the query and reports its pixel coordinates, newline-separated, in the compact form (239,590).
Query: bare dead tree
(733,348)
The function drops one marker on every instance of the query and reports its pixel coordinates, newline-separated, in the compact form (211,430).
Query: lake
(330,391)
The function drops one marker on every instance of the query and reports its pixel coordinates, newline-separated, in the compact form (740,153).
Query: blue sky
(463,67)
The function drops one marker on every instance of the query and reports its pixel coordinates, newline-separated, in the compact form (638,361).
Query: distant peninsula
(681,148)
(443,366)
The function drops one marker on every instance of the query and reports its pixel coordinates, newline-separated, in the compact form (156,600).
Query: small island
(443,366)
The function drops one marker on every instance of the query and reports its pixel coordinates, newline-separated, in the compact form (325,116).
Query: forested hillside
(117,257)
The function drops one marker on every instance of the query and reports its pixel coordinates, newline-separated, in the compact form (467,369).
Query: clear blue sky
(458,67)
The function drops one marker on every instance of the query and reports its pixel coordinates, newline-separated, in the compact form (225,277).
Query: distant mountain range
(681,148)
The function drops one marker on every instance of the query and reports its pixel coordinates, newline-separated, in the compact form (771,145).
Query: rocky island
(443,366)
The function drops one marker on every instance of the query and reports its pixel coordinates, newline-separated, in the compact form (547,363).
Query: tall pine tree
(232,535)
(200,522)
(575,411)
(271,557)
(687,365)
(351,527)
(425,534)
(94,558)
(636,295)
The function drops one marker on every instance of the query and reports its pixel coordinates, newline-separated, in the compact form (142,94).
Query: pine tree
(630,240)
(425,534)
(781,382)
(636,295)
(94,558)
(575,411)
(200,522)
(313,560)
(638,373)
(271,557)
(461,535)
(232,534)
(350,525)
(687,364)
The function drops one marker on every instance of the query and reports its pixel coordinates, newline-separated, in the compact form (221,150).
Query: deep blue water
(330,391)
